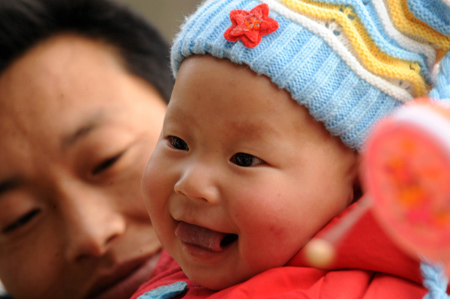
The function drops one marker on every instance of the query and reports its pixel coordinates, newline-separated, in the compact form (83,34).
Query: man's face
(242,176)
(76,132)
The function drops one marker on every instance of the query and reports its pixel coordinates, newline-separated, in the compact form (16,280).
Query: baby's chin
(219,280)
(216,284)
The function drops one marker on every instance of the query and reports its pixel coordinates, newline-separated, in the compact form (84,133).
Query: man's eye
(21,221)
(178,143)
(104,165)
(245,160)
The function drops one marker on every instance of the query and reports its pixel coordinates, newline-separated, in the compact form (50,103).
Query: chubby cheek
(268,234)
(157,189)
(270,245)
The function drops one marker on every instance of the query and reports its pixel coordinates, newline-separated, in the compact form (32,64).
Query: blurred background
(167,15)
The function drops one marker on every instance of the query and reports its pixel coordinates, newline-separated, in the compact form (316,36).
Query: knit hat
(350,62)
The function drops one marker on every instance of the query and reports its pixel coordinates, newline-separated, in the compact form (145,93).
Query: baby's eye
(178,143)
(21,221)
(245,160)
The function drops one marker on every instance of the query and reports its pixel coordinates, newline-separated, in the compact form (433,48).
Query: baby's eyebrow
(255,129)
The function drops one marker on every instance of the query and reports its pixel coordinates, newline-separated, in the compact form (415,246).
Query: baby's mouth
(203,237)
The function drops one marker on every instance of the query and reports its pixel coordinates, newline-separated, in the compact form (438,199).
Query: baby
(260,146)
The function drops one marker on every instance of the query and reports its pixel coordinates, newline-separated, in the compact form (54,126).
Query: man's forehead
(85,126)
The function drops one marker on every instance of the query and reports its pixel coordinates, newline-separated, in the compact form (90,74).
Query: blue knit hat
(350,62)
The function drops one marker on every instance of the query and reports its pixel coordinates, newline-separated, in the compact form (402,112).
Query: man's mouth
(203,237)
(125,279)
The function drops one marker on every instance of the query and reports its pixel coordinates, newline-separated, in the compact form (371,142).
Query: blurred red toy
(406,177)
(406,172)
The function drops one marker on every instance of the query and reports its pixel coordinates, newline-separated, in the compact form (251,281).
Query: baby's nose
(197,182)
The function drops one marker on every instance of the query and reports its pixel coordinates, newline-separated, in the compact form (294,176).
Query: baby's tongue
(199,236)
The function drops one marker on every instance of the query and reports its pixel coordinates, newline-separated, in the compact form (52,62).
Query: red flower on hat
(250,26)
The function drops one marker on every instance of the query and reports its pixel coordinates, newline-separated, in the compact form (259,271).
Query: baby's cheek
(266,252)
(270,237)
(155,181)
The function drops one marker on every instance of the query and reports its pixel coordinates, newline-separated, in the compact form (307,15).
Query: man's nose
(198,182)
(91,220)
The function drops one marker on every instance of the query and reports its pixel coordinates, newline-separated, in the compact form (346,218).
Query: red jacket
(368,265)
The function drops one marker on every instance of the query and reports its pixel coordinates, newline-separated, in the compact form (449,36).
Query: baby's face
(242,176)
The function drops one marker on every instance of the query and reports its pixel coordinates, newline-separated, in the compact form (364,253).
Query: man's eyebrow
(87,126)
(10,184)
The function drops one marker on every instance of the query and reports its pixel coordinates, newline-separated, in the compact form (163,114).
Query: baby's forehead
(253,123)
(210,90)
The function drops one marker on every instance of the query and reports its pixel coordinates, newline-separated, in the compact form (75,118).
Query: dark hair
(25,23)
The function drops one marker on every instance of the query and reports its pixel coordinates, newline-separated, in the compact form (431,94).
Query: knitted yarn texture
(350,62)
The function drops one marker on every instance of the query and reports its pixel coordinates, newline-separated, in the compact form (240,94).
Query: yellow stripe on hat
(405,21)
(375,60)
